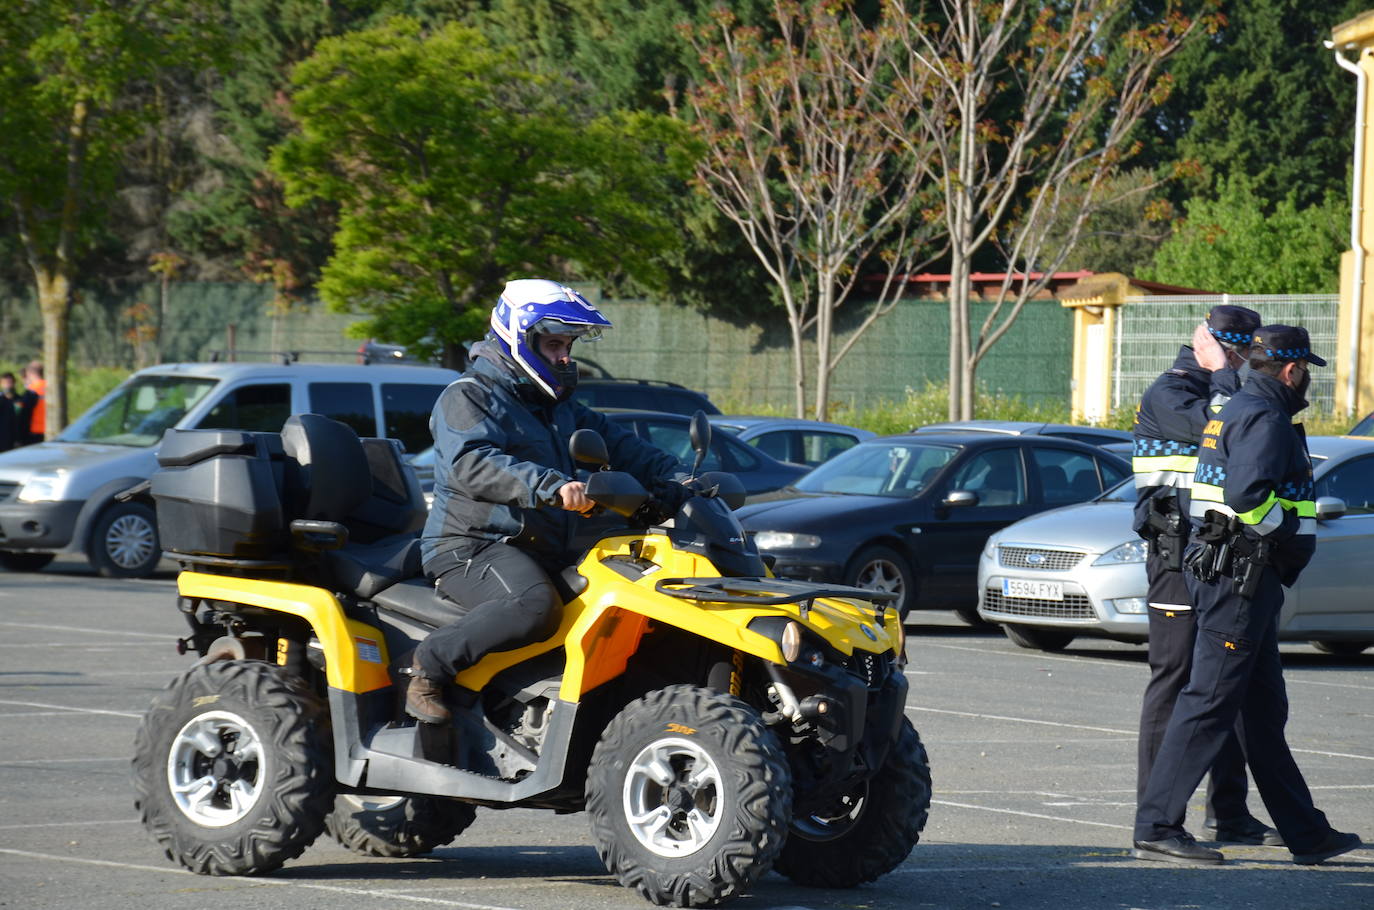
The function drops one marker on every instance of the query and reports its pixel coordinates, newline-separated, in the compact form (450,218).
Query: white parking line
(36,704)
(87,630)
(1052,723)
(108,821)
(1289,678)
(335,889)
(1053,818)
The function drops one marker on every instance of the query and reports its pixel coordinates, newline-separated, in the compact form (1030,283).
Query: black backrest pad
(331,473)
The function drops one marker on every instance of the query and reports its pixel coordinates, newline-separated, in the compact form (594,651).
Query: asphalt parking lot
(1033,759)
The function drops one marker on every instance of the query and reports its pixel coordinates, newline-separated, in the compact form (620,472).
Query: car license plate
(1036,590)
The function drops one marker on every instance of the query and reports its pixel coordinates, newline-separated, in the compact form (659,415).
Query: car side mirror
(701,438)
(960,499)
(587,446)
(1330,507)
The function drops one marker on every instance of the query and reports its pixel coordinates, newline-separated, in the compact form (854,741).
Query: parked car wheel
(26,562)
(969,614)
(1342,648)
(882,568)
(124,542)
(1037,639)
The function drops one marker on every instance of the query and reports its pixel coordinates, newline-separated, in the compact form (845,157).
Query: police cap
(1284,343)
(1232,324)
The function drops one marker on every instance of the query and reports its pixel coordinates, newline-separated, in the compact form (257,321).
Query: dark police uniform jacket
(1253,464)
(1171,416)
(501,453)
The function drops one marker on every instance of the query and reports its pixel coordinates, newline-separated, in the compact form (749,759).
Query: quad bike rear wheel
(396,825)
(689,796)
(867,832)
(231,771)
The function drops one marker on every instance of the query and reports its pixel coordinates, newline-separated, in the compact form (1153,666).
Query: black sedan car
(912,513)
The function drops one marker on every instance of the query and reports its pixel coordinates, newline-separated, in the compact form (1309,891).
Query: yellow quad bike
(713,721)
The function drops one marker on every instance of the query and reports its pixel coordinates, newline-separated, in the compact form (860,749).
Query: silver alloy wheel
(129,541)
(216,767)
(673,797)
(881,575)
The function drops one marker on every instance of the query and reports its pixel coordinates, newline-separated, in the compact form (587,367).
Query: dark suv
(642,395)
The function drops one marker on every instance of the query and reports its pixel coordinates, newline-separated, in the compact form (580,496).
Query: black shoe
(425,698)
(1247,830)
(1335,844)
(1179,849)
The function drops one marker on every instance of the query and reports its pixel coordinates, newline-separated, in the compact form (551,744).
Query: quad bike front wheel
(396,825)
(689,795)
(867,832)
(231,771)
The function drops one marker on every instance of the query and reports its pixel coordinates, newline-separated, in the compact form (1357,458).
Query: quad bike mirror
(724,486)
(701,438)
(587,447)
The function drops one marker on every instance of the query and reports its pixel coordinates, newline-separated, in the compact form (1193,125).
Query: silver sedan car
(1080,570)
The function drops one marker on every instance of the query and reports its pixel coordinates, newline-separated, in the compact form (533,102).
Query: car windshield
(895,469)
(139,411)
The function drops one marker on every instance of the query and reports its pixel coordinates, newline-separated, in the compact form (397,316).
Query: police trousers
(504,599)
(1236,672)
(1173,633)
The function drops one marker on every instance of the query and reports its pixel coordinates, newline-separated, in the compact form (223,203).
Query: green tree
(71,76)
(454,168)
(802,158)
(1008,180)
(1239,243)
(1260,97)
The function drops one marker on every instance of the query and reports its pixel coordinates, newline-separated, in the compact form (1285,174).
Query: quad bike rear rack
(767,592)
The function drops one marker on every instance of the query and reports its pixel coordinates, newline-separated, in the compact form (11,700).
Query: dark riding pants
(505,600)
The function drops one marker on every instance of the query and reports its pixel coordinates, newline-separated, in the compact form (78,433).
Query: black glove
(670,495)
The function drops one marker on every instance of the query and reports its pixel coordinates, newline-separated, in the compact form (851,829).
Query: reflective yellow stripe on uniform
(1164,470)
(1264,518)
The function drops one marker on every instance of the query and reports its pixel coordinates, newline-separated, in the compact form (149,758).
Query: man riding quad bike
(713,721)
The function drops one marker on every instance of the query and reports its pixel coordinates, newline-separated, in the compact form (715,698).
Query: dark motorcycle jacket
(1253,465)
(501,453)
(1168,422)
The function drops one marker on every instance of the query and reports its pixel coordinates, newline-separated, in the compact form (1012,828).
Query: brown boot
(425,698)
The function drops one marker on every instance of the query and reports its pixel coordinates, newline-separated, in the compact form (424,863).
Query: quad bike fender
(355,653)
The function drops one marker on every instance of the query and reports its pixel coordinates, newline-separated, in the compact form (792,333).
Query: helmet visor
(551,326)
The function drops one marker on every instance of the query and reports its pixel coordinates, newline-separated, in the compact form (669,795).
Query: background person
(1168,423)
(505,495)
(33,412)
(9,412)
(1253,519)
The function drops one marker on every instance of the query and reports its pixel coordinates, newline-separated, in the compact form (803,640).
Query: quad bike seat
(417,599)
(331,475)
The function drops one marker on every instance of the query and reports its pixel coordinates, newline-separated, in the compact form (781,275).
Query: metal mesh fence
(1151,329)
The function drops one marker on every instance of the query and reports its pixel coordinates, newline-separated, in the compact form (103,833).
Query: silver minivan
(58,496)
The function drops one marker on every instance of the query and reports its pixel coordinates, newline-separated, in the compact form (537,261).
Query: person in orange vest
(33,413)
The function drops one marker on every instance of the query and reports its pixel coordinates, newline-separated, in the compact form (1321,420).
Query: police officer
(1253,520)
(1171,416)
(505,491)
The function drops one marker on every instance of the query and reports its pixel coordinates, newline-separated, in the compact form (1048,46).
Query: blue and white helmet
(534,306)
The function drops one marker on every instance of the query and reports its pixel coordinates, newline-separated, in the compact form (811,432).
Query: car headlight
(990,548)
(785,540)
(1129,552)
(45,486)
